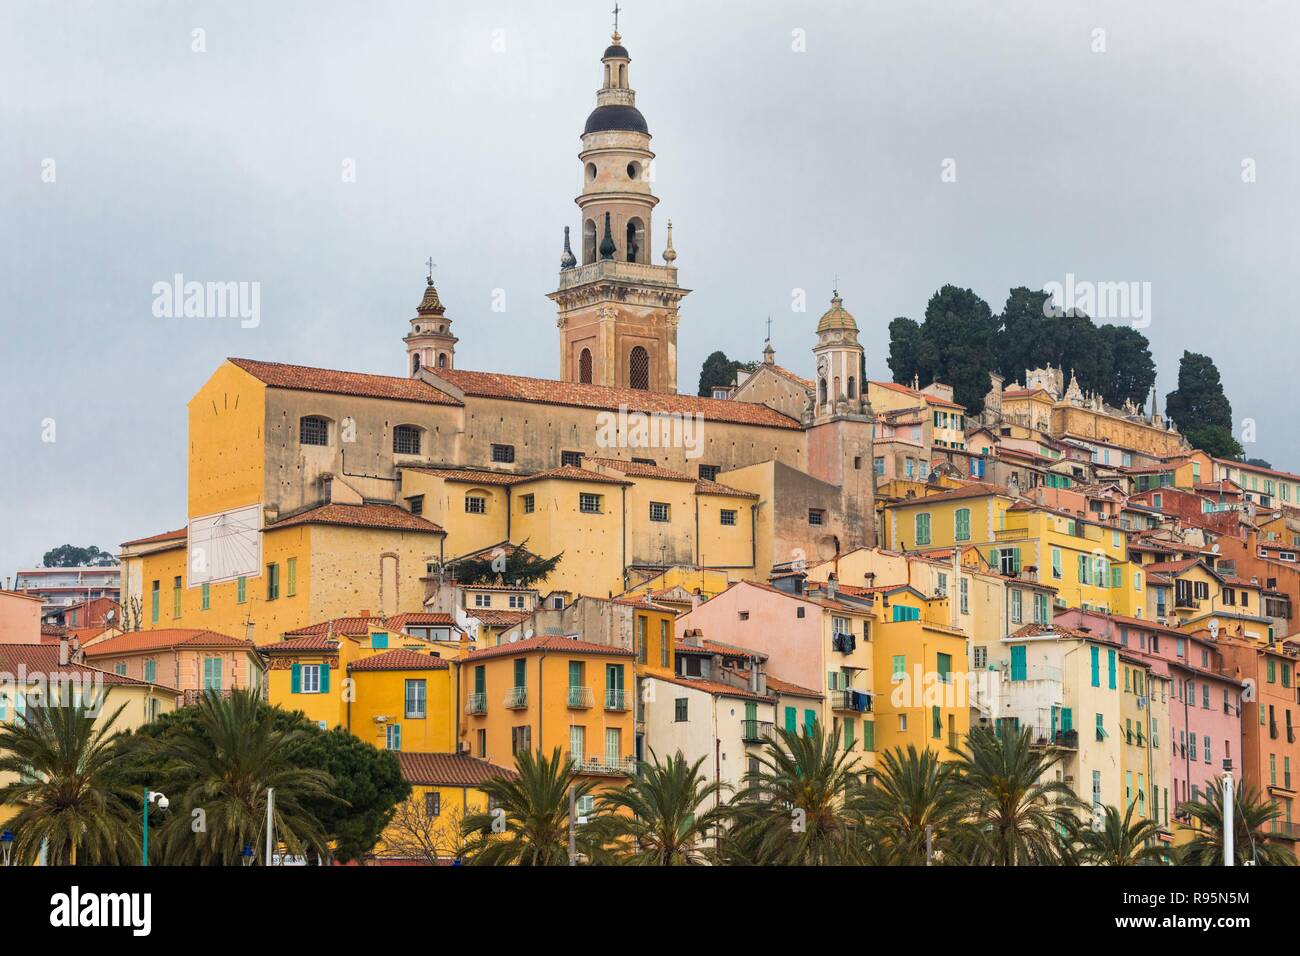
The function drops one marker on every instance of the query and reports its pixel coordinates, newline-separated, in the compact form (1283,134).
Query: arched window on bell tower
(821,392)
(636,244)
(589,241)
(415,363)
(638,368)
(584,367)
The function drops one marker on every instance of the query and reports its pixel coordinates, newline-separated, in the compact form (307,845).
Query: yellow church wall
(445,505)
(227,419)
(592,542)
(723,545)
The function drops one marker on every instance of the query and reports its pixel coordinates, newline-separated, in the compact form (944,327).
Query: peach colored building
(20,618)
(191,661)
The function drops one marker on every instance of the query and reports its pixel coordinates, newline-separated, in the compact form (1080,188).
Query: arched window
(638,368)
(313,430)
(853,387)
(442,360)
(589,241)
(821,391)
(584,367)
(406,440)
(636,247)
(415,363)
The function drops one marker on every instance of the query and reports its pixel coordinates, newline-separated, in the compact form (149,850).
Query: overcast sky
(795,141)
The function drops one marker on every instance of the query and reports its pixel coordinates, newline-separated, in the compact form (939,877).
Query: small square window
(475,505)
(589,503)
(709,472)
(816,517)
(727,517)
(659,511)
(572,459)
(529,503)
(482,600)
(503,453)
(799,611)
(417,504)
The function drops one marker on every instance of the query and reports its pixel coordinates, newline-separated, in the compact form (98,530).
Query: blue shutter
(324,678)
(1095,653)
(1110,668)
(295,679)
(1019,670)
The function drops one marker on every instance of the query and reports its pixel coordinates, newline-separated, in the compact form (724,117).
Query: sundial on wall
(225,546)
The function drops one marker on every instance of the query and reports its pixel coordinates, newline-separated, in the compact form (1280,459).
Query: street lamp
(149,797)
(6,845)
(1229,824)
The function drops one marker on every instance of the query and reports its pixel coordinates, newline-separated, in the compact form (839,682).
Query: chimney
(832,585)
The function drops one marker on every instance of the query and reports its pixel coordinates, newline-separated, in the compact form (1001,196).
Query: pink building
(1205,706)
(191,661)
(20,618)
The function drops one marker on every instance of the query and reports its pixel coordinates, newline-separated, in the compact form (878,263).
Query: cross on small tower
(769,328)
(615,17)
(430,263)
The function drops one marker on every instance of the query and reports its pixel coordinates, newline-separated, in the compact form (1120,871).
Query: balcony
(517,698)
(855,701)
(476,704)
(1060,739)
(1186,602)
(1010,534)
(615,699)
(580,698)
(608,765)
(844,643)
(756,731)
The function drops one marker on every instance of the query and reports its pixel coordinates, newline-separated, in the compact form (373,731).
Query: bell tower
(617,310)
(430,343)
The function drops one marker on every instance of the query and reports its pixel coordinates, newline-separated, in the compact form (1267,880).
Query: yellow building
(445,789)
(925,702)
(306,671)
(363,556)
(547,692)
(403,700)
(970,515)
(1145,744)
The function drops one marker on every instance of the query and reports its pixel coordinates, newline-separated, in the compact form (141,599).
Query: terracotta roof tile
(794,690)
(370,515)
(308,642)
(784,372)
(520,388)
(571,473)
(978,489)
(135,642)
(705,487)
(641,470)
(471,476)
(718,688)
(547,642)
(44,659)
(447,769)
(178,535)
(399,660)
(305,379)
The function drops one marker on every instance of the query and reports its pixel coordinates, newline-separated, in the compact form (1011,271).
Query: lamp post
(270,823)
(1229,824)
(7,846)
(149,797)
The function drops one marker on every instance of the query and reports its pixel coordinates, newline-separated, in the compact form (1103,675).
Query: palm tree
(661,817)
(800,806)
(69,795)
(910,792)
(528,824)
(1121,841)
(1251,814)
(223,768)
(1012,817)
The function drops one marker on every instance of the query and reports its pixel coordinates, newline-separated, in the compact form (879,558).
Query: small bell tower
(430,343)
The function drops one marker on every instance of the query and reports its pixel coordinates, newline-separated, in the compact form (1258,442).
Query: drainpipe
(699,546)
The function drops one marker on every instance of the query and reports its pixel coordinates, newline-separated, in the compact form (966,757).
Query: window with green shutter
(961,530)
(809,721)
(923,528)
(151,671)
(154,594)
(943,664)
(791,720)
(869,735)
(900,667)
(241,590)
(1110,668)
(291,577)
(480,679)
(521,672)
(1095,654)
(1019,662)
(206,598)
(176,596)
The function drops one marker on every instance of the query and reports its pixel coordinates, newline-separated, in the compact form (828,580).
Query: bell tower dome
(617,310)
(430,343)
(840,364)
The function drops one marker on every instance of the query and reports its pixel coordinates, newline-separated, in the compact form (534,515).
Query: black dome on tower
(614,117)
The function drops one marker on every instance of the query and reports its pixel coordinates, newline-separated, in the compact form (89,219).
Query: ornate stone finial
(916,382)
(568,260)
(607,246)
(670,254)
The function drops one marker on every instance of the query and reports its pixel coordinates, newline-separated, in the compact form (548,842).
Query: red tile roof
(547,642)
(399,622)
(977,489)
(44,659)
(705,487)
(304,379)
(714,687)
(370,515)
(784,372)
(178,535)
(707,647)
(399,660)
(1170,567)
(448,770)
(570,473)
(137,642)
(794,690)
(519,388)
(639,469)
(362,626)
(309,642)
(473,476)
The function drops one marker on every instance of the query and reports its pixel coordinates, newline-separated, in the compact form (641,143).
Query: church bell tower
(617,310)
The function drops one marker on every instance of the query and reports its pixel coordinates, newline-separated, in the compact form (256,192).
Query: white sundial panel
(226,546)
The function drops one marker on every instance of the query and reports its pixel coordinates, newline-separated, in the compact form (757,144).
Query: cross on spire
(769,329)
(615,17)
(430,263)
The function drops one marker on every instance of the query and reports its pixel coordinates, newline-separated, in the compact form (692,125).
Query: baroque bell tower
(617,310)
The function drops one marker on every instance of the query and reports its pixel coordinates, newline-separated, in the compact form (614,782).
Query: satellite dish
(528,634)
(1214,548)
(513,638)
